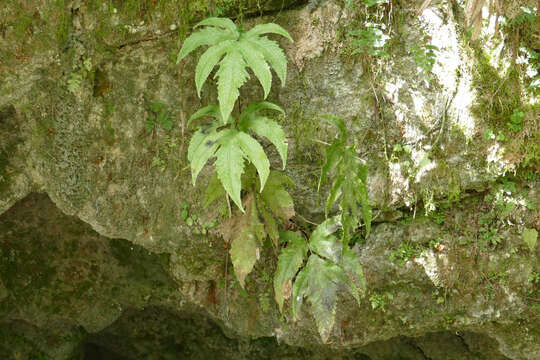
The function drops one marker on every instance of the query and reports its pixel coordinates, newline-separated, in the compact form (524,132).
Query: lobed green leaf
(254,152)
(289,262)
(208,61)
(335,192)
(254,108)
(273,132)
(323,283)
(205,37)
(267,29)
(224,23)
(210,110)
(276,197)
(256,61)
(230,166)
(338,123)
(202,147)
(333,158)
(323,243)
(273,54)
(231,76)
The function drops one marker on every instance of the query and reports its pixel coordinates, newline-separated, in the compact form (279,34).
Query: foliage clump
(315,269)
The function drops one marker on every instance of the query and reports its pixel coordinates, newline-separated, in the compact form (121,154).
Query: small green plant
(371,40)
(424,56)
(228,139)
(331,264)
(160,160)
(405,252)
(74,82)
(516,120)
(159,163)
(490,135)
(76,78)
(490,235)
(158,114)
(435,243)
(527,15)
(379,301)
(233,50)
(193,221)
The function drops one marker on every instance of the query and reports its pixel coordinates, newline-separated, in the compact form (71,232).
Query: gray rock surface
(109,256)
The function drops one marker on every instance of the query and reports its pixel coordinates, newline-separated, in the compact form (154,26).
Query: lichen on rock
(104,251)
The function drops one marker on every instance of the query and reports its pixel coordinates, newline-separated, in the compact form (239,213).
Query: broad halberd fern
(235,50)
(233,144)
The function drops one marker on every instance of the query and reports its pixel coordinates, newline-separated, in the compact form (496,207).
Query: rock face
(103,266)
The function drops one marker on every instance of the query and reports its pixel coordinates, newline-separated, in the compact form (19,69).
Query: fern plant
(234,50)
(232,144)
(348,175)
(265,212)
(330,268)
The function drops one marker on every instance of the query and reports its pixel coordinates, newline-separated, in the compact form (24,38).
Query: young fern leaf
(348,174)
(234,51)
(289,262)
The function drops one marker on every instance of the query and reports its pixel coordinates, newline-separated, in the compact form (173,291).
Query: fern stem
(320,142)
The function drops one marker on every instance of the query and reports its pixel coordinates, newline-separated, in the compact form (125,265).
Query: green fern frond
(231,76)
(348,186)
(206,37)
(202,147)
(289,262)
(331,267)
(234,51)
(233,146)
(209,60)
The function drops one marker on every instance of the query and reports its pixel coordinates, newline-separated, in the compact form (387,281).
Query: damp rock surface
(98,261)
